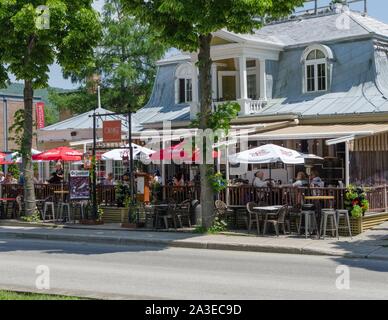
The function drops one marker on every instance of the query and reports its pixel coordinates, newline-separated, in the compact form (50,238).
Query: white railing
(257,105)
(247,106)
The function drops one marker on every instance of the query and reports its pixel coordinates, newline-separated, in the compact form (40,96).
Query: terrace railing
(238,195)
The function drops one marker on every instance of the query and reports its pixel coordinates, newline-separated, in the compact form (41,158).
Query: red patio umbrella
(179,152)
(61,153)
(4,160)
(171,153)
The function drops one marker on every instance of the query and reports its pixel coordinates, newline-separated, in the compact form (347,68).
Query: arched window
(184,84)
(316,71)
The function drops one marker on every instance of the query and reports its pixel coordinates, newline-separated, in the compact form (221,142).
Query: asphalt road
(144,272)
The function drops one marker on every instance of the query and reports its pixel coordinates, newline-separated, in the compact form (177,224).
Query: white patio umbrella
(268,153)
(16,158)
(117,154)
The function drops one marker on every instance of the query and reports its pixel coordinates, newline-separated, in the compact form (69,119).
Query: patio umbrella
(268,153)
(181,152)
(116,154)
(61,153)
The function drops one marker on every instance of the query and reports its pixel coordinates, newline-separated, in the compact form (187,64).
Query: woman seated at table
(316,181)
(9,179)
(179,180)
(301,180)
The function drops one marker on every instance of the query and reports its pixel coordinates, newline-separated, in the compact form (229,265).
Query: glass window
(189,90)
(252,87)
(316,71)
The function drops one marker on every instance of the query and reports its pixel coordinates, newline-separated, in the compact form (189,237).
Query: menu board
(79,185)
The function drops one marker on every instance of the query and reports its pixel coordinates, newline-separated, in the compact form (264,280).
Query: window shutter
(182,93)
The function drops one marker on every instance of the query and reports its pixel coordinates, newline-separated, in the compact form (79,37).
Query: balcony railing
(248,106)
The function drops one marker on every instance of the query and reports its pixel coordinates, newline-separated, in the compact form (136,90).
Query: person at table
(258,180)
(9,179)
(109,181)
(60,173)
(316,181)
(179,180)
(301,180)
(157,177)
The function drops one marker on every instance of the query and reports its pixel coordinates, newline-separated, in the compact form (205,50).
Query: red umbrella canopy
(172,153)
(61,153)
(4,159)
(181,151)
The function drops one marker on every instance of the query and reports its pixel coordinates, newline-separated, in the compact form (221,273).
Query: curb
(188,244)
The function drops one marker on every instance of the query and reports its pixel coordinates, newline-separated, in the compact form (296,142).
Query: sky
(376,8)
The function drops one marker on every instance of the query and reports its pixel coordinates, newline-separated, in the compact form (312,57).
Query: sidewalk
(372,244)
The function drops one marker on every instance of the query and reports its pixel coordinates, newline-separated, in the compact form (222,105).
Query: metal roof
(85,121)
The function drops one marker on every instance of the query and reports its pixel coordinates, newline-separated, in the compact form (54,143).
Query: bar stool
(46,206)
(309,220)
(62,206)
(345,214)
(326,214)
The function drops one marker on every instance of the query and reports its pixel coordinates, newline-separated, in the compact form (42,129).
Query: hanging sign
(111,131)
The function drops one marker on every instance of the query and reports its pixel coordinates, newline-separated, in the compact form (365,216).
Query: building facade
(317,83)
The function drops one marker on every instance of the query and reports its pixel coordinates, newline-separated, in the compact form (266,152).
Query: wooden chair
(280,221)
(253,217)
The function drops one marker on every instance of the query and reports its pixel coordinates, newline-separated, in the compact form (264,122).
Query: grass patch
(11,295)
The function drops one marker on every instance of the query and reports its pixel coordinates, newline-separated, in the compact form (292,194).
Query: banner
(111,131)
(79,185)
(40,115)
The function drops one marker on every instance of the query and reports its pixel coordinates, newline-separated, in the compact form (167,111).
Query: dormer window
(316,68)
(184,84)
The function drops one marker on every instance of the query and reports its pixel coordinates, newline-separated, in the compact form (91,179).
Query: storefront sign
(112,131)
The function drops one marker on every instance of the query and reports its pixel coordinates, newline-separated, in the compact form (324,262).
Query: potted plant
(356,202)
(133,211)
(98,221)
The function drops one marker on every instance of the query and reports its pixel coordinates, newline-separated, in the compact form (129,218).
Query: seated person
(301,180)
(316,181)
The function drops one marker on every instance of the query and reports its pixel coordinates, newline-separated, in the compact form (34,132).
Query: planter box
(115,215)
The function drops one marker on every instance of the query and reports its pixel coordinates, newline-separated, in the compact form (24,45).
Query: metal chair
(62,207)
(183,210)
(253,217)
(345,215)
(310,222)
(326,215)
(48,203)
(222,210)
(280,221)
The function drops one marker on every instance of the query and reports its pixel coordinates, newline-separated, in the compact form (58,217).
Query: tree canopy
(125,60)
(32,38)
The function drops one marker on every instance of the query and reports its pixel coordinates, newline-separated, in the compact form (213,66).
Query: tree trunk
(204,66)
(28,170)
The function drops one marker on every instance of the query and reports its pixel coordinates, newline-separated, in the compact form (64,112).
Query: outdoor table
(268,210)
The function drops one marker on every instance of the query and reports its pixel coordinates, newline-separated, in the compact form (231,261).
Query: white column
(263,81)
(243,78)
(214,81)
